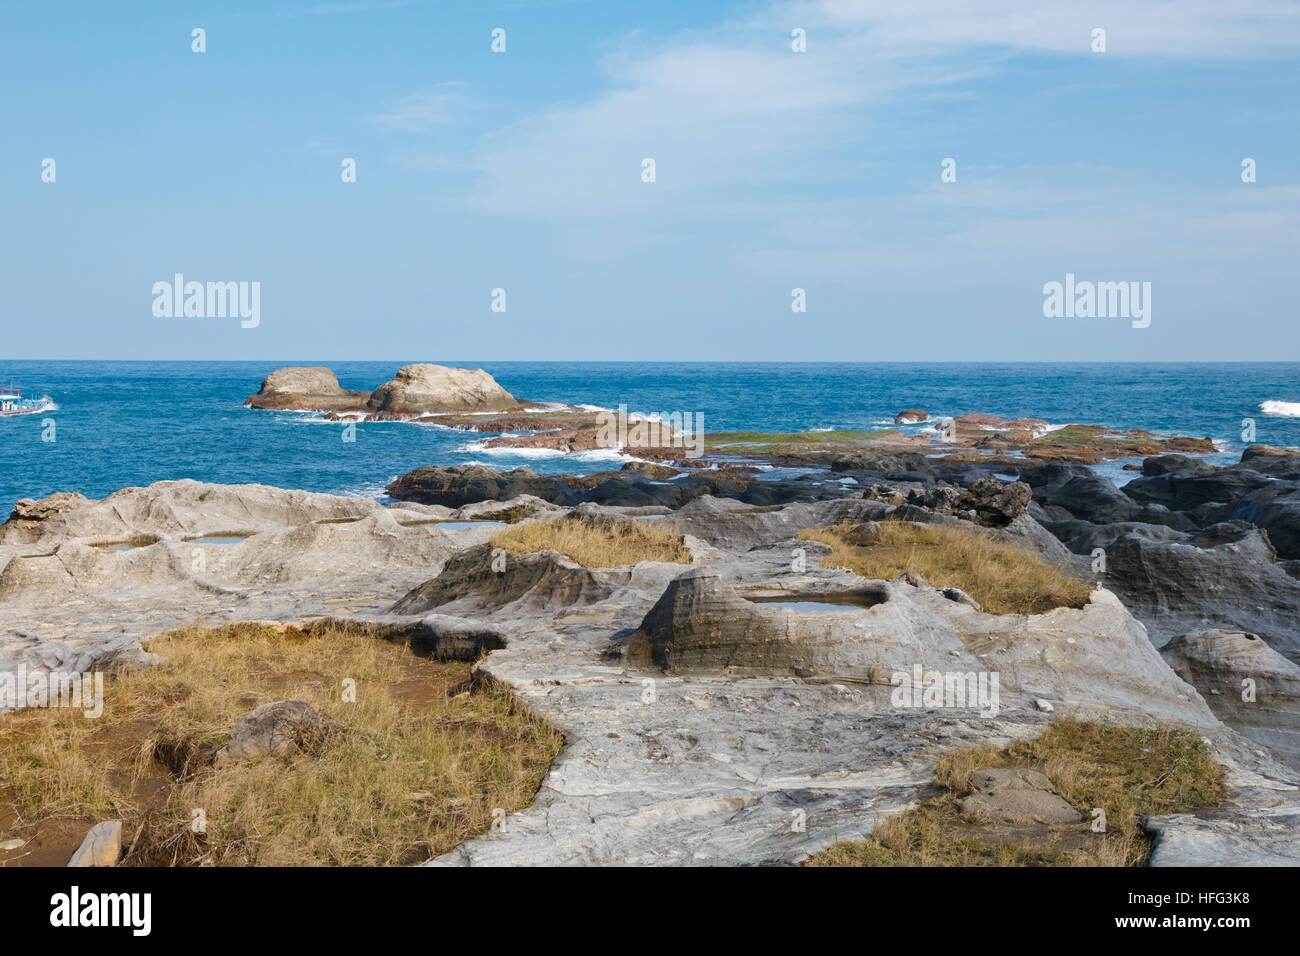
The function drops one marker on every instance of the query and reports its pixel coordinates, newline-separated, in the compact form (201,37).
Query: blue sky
(775,170)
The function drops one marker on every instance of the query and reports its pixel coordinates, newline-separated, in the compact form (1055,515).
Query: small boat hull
(12,409)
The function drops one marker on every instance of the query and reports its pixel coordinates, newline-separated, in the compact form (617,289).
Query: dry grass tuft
(1003,578)
(596,543)
(1128,772)
(409,770)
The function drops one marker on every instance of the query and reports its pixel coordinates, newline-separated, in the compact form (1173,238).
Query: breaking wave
(1280,409)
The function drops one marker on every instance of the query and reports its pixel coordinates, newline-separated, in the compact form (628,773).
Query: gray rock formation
(1249,686)
(278,729)
(424,389)
(728,755)
(1267,460)
(1224,578)
(1186,490)
(305,389)
(1164,464)
(1275,507)
(1021,797)
(101,847)
(457,485)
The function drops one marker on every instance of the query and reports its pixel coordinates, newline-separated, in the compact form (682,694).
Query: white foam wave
(371,490)
(1280,409)
(595,454)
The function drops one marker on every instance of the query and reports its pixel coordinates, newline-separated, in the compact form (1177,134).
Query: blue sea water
(119,424)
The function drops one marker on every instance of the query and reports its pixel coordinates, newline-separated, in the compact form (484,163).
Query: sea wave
(372,490)
(595,454)
(1280,409)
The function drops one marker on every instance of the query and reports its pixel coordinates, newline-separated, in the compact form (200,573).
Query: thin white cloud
(420,112)
(734,106)
(1208,28)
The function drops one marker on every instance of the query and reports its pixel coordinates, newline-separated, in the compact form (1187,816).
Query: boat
(13,403)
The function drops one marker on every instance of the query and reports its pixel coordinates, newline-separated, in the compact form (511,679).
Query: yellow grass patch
(412,768)
(596,543)
(1002,577)
(1128,772)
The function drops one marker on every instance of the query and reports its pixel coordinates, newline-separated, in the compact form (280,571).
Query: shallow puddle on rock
(123,545)
(464,525)
(850,601)
(216,540)
(804,606)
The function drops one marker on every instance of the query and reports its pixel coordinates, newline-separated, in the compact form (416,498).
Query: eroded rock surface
(313,388)
(1249,686)
(753,734)
(424,389)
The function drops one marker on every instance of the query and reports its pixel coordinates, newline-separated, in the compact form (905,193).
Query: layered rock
(1248,685)
(430,389)
(482,579)
(702,763)
(1275,507)
(1224,578)
(416,391)
(305,389)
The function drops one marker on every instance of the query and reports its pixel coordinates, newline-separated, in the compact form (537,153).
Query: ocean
(118,424)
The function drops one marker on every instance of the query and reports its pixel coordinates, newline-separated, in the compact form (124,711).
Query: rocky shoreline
(696,717)
(471,400)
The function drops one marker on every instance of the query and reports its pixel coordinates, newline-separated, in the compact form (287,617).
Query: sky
(774,170)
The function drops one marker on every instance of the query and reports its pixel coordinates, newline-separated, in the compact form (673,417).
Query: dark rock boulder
(911,416)
(1274,507)
(883,462)
(457,485)
(808,488)
(649,469)
(1166,464)
(1267,460)
(1237,532)
(1186,490)
(1044,477)
(996,502)
(673,494)
(1090,497)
